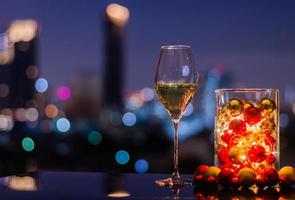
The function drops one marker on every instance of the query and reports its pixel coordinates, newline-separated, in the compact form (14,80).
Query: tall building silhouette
(6,57)
(115,21)
(21,72)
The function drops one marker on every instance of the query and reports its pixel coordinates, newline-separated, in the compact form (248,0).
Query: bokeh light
(28,144)
(189,110)
(7,111)
(32,72)
(134,102)
(21,183)
(41,85)
(51,111)
(119,194)
(6,123)
(284,120)
(63,93)
(22,30)
(63,125)
(141,166)
(94,138)
(6,49)
(160,110)
(185,70)
(31,114)
(4,90)
(117,14)
(20,114)
(129,119)
(147,94)
(122,157)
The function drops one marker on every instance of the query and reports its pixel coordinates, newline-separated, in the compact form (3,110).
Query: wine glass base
(175,182)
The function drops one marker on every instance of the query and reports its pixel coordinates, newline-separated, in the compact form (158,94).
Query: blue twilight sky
(255,40)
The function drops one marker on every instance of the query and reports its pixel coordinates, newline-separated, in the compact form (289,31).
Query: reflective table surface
(90,185)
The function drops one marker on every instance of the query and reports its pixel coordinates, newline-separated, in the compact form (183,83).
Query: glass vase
(247,128)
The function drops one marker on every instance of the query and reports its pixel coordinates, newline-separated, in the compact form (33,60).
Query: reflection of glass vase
(247,128)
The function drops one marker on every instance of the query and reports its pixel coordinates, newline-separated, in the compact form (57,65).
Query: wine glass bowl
(175,82)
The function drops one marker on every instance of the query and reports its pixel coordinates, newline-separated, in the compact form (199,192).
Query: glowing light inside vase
(246,134)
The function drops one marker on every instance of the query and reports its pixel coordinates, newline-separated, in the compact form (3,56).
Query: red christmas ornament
(211,181)
(200,195)
(269,177)
(267,132)
(222,155)
(199,180)
(226,137)
(225,177)
(199,175)
(235,167)
(261,182)
(256,153)
(270,159)
(252,115)
(238,126)
(227,165)
(269,140)
(201,169)
(235,182)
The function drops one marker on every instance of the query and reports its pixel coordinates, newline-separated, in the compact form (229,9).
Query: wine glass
(175,83)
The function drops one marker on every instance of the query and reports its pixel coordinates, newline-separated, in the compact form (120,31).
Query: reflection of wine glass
(175,82)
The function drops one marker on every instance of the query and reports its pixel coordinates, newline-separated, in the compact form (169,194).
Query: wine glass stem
(175,174)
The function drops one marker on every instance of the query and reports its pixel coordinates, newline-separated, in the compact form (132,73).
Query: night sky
(254,40)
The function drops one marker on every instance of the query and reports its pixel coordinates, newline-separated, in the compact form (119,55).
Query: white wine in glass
(175,82)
